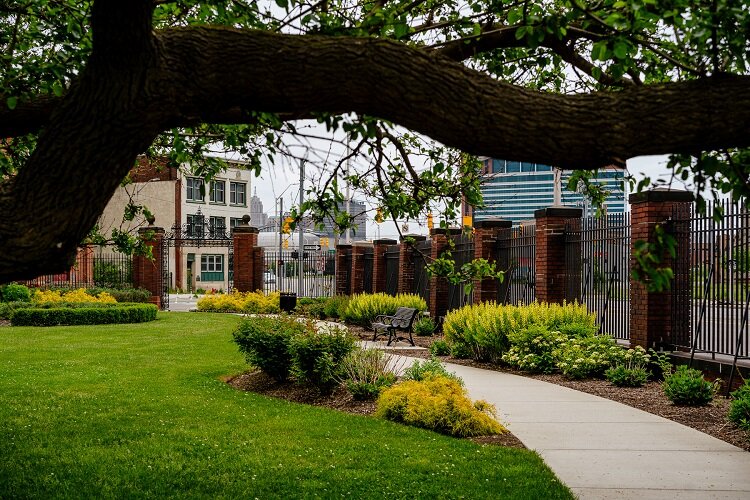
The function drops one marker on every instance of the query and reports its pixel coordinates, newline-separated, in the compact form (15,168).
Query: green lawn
(139,410)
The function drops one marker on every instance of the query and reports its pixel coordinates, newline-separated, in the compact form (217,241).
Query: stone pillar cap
(384,241)
(416,237)
(559,211)
(662,194)
(441,230)
(494,222)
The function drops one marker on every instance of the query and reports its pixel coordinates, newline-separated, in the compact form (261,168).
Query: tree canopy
(88,86)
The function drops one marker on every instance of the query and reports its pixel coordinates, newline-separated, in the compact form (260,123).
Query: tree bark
(184,76)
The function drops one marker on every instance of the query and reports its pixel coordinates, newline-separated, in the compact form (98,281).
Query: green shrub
(424,326)
(687,387)
(123,294)
(460,350)
(421,370)
(53,316)
(112,274)
(630,374)
(578,329)
(739,410)
(531,348)
(440,348)
(311,307)
(366,372)
(14,292)
(317,355)
(586,357)
(335,306)
(364,308)
(440,404)
(8,308)
(483,329)
(265,343)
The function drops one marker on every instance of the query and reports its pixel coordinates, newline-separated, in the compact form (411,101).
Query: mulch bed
(711,419)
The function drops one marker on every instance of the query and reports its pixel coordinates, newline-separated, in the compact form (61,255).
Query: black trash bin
(288,301)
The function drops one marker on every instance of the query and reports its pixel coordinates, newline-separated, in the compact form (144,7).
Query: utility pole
(300,250)
(347,206)
(557,188)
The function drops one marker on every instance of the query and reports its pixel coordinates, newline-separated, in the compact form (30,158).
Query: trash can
(288,301)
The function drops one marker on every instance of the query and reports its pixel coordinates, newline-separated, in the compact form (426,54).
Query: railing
(516,255)
(597,252)
(368,262)
(391,257)
(462,254)
(280,272)
(421,277)
(93,268)
(711,291)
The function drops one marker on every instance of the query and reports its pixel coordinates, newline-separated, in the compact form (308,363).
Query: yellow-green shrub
(365,307)
(440,404)
(483,329)
(78,296)
(241,302)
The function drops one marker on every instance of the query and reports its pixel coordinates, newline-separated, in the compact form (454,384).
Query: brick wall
(439,286)
(247,274)
(406,263)
(358,268)
(147,273)
(378,266)
(551,283)
(343,263)
(486,233)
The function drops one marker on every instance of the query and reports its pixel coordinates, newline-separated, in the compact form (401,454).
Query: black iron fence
(597,253)
(421,277)
(459,294)
(93,268)
(516,255)
(711,293)
(281,272)
(391,257)
(368,262)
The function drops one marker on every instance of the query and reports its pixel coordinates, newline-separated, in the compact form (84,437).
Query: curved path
(603,449)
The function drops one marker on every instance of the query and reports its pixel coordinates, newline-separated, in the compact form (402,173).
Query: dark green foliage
(687,387)
(265,343)
(625,376)
(316,356)
(739,411)
(430,367)
(440,348)
(123,294)
(364,391)
(7,308)
(461,351)
(577,330)
(424,326)
(13,292)
(54,316)
(312,307)
(335,306)
(113,274)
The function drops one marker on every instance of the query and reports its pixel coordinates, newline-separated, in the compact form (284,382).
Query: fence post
(84,267)
(378,265)
(358,267)
(247,274)
(651,318)
(406,263)
(486,233)
(343,285)
(148,273)
(439,297)
(550,252)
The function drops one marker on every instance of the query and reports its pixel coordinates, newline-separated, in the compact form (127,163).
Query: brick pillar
(247,274)
(378,265)
(486,234)
(406,263)
(651,322)
(343,269)
(358,267)
(259,267)
(439,286)
(84,267)
(551,285)
(148,273)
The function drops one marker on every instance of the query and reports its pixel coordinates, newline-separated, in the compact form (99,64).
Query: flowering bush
(244,302)
(77,296)
(587,356)
(531,349)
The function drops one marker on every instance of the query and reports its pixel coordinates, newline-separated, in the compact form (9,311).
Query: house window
(212,268)
(194,226)
(194,186)
(217,226)
(237,192)
(217,192)
(235,221)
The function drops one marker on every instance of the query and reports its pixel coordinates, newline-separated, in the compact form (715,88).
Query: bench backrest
(404,317)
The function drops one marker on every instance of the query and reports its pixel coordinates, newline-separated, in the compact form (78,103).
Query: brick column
(406,263)
(246,272)
(439,286)
(486,233)
(551,274)
(358,267)
(148,273)
(343,269)
(378,265)
(651,322)
(84,267)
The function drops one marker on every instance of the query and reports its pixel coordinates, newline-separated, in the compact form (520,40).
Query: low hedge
(119,313)
(8,308)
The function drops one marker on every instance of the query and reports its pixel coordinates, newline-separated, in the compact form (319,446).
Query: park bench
(401,321)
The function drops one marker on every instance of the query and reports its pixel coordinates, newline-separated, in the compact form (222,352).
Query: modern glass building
(513,190)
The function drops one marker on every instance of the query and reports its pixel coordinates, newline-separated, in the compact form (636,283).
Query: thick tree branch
(27,117)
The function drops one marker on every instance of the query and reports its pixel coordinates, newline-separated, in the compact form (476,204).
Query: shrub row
(122,313)
(362,309)
(8,308)
(240,302)
(78,295)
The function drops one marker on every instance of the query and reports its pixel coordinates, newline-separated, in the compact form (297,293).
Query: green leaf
(620,50)
(12,102)
(57,89)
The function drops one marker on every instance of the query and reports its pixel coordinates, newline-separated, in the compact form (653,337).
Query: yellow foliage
(79,295)
(365,307)
(440,404)
(241,302)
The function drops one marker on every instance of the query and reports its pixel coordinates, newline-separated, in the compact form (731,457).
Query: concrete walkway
(602,449)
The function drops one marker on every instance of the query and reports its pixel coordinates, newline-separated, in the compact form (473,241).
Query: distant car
(269,277)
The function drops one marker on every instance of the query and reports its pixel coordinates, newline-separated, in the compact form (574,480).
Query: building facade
(514,190)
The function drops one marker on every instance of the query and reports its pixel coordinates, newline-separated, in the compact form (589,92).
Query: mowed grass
(140,410)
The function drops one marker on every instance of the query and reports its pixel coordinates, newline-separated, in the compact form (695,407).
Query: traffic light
(429,220)
(287,228)
(467,220)
(323,242)
(379,216)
